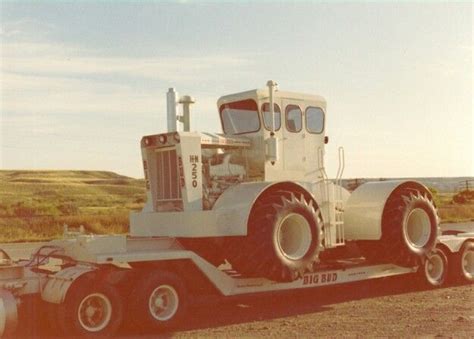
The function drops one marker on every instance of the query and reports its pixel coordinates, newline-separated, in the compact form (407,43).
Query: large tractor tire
(284,237)
(410,227)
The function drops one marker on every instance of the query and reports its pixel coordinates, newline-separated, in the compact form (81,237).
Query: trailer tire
(462,264)
(90,310)
(284,238)
(409,229)
(159,301)
(434,270)
(8,313)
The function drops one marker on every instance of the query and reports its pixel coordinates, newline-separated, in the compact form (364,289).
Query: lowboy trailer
(244,212)
(87,295)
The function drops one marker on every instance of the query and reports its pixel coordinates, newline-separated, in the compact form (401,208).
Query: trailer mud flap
(58,284)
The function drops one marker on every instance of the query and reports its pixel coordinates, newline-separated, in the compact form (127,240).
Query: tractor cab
(187,170)
(296,124)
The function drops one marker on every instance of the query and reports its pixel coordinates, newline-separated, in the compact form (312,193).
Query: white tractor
(258,195)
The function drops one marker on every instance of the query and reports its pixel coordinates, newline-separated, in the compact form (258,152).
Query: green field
(35,205)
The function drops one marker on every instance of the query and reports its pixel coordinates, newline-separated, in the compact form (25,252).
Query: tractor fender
(365,206)
(58,284)
(234,205)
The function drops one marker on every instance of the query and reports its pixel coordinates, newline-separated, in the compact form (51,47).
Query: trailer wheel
(8,313)
(435,268)
(90,310)
(159,301)
(463,263)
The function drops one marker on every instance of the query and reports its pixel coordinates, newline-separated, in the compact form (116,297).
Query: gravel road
(390,307)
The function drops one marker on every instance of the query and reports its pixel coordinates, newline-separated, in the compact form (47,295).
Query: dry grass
(457,213)
(451,212)
(35,205)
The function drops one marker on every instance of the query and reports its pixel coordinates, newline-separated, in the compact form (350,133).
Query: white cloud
(47,59)
(27,50)
(49,77)
(26,29)
(36,94)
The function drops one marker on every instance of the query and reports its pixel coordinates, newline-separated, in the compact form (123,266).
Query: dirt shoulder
(389,307)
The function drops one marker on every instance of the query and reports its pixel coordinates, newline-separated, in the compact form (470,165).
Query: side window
(294,118)
(267,119)
(314,120)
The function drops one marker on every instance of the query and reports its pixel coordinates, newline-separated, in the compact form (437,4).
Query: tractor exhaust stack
(171,104)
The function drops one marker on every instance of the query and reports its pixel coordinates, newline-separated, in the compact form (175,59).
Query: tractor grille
(168,188)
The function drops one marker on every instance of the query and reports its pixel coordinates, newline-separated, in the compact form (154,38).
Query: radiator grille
(168,188)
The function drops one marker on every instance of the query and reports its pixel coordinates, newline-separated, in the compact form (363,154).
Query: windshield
(240,117)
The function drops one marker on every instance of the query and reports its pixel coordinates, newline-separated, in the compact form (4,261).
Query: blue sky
(82,82)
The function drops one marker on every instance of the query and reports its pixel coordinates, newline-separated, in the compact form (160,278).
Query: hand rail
(342,165)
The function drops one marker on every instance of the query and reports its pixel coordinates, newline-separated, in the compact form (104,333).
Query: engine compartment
(220,171)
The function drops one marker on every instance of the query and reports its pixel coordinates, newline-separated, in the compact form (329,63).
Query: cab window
(267,119)
(294,118)
(240,117)
(314,120)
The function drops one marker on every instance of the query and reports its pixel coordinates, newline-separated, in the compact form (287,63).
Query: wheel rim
(467,261)
(417,228)
(294,236)
(94,312)
(434,269)
(163,302)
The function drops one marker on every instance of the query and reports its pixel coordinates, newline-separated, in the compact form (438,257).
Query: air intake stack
(171,107)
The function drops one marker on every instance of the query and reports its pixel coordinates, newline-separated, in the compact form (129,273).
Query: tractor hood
(208,140)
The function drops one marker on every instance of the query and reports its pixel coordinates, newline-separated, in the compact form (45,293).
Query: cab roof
(263,94)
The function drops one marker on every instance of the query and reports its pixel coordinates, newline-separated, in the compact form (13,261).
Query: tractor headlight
(162,139)
(176,137)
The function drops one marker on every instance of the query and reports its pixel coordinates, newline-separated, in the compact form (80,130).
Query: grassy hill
(34,205)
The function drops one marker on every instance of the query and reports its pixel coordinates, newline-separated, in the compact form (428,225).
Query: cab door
(314,124)
(293,142)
